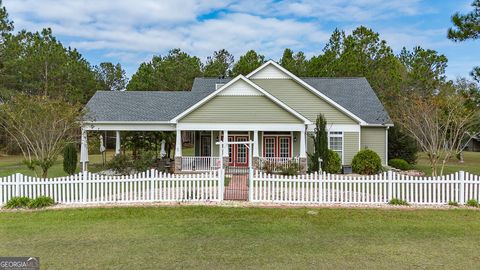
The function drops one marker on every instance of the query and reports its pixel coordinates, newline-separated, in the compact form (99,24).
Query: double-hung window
(335,143)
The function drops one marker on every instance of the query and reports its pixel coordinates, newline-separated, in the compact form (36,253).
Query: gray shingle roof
(140,105)
(354,94)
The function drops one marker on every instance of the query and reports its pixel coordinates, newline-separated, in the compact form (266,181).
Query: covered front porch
(273,146)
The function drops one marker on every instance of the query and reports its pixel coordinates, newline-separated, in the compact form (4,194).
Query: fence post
(462,187)
(221,183)
(390,185)
(250,184)
(84,186)
(152,184)
(18,184)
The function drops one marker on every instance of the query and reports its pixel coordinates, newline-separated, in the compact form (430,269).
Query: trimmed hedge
(333,163)
(366,162)
(400,164)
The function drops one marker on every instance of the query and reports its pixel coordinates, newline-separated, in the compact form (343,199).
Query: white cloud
(136,27)
(337,10)
(131,31)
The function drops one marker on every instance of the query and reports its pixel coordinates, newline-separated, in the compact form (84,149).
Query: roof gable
(246,86)
(272,64)
(269,72)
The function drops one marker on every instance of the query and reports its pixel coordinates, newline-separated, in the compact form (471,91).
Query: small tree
(439,124)
(70,158)
(320,142)
(40,126)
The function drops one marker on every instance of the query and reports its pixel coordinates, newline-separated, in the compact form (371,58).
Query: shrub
(40,202)
(17,202)
(396,201)
(268,166)
(290,168)
(472,203)
(400,164)
(70,158)
(401,145)
(120,163)
(144,161)
(333,163)
(452,203)
(366,162)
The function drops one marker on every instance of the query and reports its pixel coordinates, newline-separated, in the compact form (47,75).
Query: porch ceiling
(129,126)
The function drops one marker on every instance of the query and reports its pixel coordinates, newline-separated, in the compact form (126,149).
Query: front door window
(238,153)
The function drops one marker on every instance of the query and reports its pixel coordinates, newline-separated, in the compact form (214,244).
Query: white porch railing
(273,164)
(200,164)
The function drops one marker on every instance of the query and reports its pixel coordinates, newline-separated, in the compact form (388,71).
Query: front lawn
(198,237)
(471,164)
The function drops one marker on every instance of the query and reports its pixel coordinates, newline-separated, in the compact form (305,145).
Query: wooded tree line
(36,63)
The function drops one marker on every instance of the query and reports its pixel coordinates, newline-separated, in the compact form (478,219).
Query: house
(270,106)
(473,144)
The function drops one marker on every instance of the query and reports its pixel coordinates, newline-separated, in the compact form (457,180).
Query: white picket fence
(149,186)
(154,186)
(374,189)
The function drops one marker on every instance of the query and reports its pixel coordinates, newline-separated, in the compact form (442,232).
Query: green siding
(303,101)
(350,145)
(240,109)
(374,138)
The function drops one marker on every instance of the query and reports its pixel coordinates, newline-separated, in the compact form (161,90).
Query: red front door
(238,153)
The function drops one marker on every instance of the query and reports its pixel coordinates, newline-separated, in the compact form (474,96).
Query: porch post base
(256,163)
(303,165)
(178,165)
(226,160)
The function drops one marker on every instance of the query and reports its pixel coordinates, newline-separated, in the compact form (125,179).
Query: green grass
(14,164)
(471,164)
(243,238)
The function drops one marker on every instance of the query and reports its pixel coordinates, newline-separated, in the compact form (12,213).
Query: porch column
(225,140)
(225,149)
(255,144)
(303,152)
(117,142)
(178,151)
(178,143)
(255,154)
(84,150)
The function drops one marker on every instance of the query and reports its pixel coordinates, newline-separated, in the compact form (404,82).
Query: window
(284,147)
(335,143)
(269,147)
(277,146)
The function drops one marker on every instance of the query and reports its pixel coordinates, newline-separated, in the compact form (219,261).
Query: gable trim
(309,87)
(243,78)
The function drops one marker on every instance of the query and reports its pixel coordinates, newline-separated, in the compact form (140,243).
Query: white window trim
(342,135)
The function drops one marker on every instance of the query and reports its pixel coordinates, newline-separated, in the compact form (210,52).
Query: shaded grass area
(243,238)
(471,164)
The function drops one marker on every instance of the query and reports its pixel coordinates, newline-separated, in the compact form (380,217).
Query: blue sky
(131,31)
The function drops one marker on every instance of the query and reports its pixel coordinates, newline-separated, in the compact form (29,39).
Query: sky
(132,31)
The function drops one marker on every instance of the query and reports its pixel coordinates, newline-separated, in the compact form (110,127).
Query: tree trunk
(461,157)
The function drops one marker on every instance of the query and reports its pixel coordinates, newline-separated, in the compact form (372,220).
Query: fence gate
(237,178)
